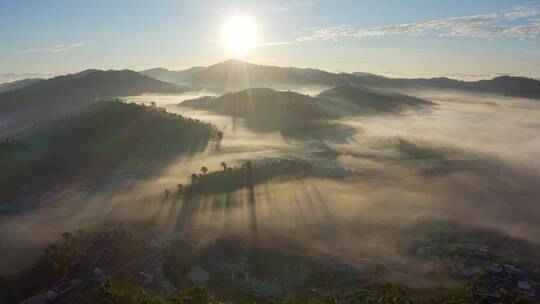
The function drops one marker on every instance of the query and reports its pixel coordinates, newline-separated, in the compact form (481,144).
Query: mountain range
(234,75)
(31,100)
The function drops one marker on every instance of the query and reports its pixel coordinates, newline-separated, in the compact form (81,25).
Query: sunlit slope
(106,137)
(351,99)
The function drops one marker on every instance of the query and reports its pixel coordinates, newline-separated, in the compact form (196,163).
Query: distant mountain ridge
(62,94)
(236,75)
(18,84)
(86,86)
(171,76)
(501,85)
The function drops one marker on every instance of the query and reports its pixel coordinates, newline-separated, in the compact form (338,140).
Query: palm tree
(204,170)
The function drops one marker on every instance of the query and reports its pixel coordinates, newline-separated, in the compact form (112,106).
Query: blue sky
(461,39)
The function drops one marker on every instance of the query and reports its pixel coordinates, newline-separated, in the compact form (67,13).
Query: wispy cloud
(291,5)
(523,12)
(475,26)
(279,8)
(276,43)
(57,48)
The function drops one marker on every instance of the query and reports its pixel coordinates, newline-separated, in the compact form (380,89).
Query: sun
(239,35)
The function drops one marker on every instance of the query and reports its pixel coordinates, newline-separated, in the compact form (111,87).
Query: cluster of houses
(241,277)
(490,274)
(290,277)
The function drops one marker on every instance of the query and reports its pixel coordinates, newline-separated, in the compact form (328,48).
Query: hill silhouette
(236,74)
(294,114)
(264,107)
(86,86)
(349,98)
(60,95)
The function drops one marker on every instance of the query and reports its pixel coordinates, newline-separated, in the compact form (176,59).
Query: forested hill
(353,98)
(105,137)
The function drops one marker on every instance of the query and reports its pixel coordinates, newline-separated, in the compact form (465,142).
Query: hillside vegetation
(107,136)
(58,96)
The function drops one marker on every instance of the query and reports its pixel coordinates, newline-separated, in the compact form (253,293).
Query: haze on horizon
(457,39)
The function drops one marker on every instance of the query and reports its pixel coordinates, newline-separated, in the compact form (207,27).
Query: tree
(166,194)
(219,135)
(390,294)
(224,165)
(204,170)
(66,236)
(197,295)
(194,178)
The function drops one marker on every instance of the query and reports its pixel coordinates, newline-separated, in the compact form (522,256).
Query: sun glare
(239,35)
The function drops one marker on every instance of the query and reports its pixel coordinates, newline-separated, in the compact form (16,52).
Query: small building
(198,275)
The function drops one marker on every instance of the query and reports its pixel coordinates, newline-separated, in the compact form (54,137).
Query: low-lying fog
(490,146)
